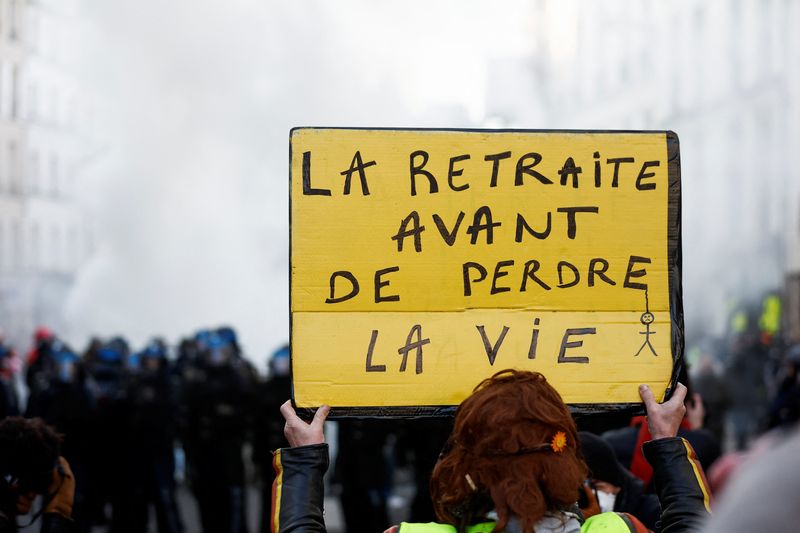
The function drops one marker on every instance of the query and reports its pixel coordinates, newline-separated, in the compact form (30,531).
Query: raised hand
(300,433)
(664,419)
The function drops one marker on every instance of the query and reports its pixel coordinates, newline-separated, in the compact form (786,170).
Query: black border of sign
(674,259)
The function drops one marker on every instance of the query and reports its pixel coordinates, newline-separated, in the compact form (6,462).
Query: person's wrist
(664,435)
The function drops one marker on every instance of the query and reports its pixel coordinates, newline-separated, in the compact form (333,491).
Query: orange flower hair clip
(559,442)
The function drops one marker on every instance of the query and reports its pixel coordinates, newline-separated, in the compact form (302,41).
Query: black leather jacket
(297,494)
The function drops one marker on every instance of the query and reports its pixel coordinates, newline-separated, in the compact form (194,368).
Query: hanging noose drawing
(646,319)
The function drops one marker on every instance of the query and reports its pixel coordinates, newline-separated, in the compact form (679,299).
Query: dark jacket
(634,500)
(678,479)
(624,440)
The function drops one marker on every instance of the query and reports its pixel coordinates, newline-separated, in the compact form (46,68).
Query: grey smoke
(189,192)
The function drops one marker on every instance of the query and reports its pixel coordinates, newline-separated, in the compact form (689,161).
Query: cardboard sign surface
(423,261)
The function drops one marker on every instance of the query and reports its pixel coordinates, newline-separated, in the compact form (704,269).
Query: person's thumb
(320,415)
(288,412)
(679,396)
(647,396)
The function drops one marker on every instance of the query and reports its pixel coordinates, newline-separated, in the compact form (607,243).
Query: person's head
(42,334)
(513,449)
(279,364)
(67,365)
(605,473)
(154,356)
(29,451)
(219,351)
(228,334)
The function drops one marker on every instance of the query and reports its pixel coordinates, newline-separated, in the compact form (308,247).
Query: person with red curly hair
(512,452)
(512,464)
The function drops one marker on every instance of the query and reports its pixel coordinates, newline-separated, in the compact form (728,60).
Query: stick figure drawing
(646,319)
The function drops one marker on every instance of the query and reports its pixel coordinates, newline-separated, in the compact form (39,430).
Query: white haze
(190,195)
(190,191)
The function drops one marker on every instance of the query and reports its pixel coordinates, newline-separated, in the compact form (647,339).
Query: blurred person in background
(268,424)
(762,495)
(30,466)
(784,409)
(745,373)
(67,405)
(110,449)
(153,431)
(627,442)
(9,366)
(615,487)
(422,453)
(242,363)
(217,392)
(363,473)
(710,389)
(183,374)
(39,363)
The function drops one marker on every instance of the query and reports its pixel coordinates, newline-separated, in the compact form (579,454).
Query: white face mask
(606,501)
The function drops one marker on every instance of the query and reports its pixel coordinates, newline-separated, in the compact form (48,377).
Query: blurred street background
(144,207)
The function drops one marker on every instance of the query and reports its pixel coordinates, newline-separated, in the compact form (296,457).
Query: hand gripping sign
(423,261)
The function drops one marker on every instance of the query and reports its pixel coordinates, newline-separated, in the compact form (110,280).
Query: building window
(35,247)
(32,30)
(13,22)
(11,169)
(55,178)
(3,253)
(33,174)
(72,249)
(55,248)
(16,245)
(55,107)
(32,104)
(15,91)
(5,85)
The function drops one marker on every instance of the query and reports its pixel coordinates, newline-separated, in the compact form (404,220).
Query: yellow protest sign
(423,261)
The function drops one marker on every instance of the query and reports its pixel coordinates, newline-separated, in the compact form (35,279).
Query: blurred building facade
(44,236)
(725,76)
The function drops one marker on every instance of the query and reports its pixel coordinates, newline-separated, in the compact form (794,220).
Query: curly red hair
(499,455)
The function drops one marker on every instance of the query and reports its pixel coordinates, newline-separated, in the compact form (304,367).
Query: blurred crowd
(137,423)
(134,422)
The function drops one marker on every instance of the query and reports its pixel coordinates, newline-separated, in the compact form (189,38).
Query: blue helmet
(202,337)
(109,354)
(66,362)
(154,350)
(279,363)
(228,334)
